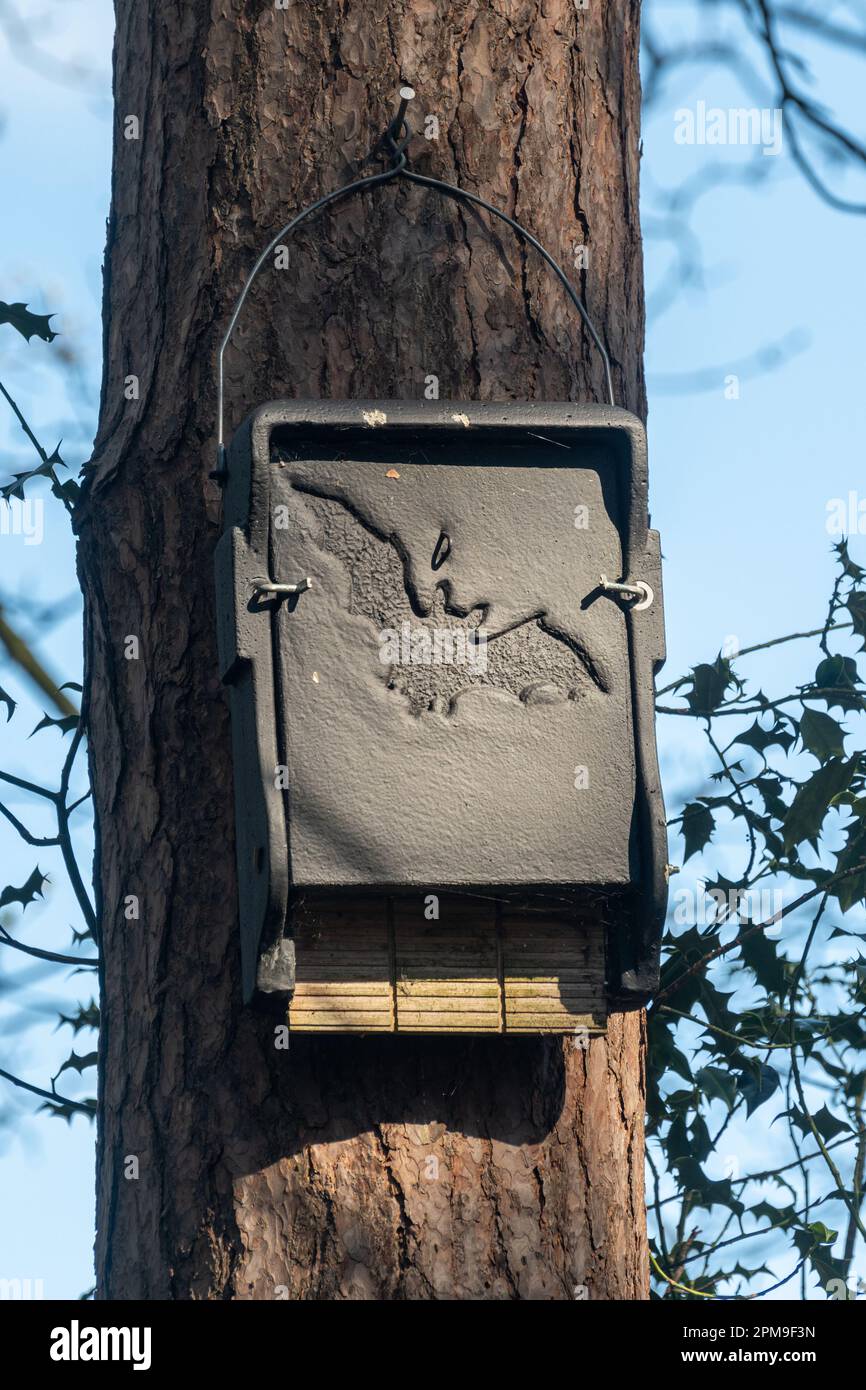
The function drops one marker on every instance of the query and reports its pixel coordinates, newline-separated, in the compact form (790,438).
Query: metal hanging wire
(394,141)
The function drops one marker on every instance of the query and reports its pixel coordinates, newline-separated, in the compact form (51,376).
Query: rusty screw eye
(441,550)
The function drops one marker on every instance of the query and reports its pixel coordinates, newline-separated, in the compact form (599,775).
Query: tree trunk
(387,1167)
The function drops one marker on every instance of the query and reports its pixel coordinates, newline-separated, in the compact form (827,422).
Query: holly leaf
(717,1084)
(761,955)
(761,739)
(807,1237)
(857,609)
(6,699)
(832,1271)
(797,1117)
(28,325)
(668,1055)
(852,858)
(827,1125)
(42,470)
(839,673)
(19,480)
(815,1243)
(66,1109)
(777,1216)
(704,1192)
(849,568)
(813,799)
(697,827)
(822,736)
(84,1018)
(708,685)
(770,787)
(75,1063)
(64,722)
(27,893)
(756,1084)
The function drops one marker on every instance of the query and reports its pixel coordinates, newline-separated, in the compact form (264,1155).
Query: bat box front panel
(415,752)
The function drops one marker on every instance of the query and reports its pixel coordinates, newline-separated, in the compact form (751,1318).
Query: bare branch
(47,1095)
(37,841)
(40,954)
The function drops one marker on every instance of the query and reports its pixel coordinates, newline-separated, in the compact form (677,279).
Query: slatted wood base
(378,965)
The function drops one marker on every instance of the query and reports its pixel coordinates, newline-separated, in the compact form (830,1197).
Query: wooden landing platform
(378,965)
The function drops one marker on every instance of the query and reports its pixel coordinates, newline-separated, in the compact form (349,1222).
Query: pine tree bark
(388,1167)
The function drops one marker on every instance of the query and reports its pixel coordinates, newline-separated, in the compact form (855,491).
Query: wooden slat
(464,1005)
(452,1023)
(533,989)
(450,1029)
(442,988)
(331,1020)
(343,1003)
(540,1023)
(328,1020)
(552,1008)
(317,988)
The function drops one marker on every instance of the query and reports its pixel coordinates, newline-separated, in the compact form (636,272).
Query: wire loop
(398,168)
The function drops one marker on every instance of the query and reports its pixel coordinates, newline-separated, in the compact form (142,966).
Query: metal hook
(638,590)
(263,588)
(406,94)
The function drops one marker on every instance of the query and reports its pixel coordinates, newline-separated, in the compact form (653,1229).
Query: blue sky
(739,487)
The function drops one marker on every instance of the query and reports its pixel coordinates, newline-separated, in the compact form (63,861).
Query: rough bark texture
(346,1168)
